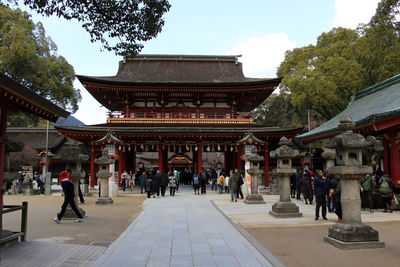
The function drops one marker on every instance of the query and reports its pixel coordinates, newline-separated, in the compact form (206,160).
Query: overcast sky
(260,30)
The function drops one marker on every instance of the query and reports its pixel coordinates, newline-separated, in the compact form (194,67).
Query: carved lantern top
(284,153)
(71,151)
(104,159)
(349,139)
(348,144)
(254,157)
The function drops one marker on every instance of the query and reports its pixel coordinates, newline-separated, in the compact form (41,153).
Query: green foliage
(127,21)
(387,14)
(28,56)
(277,110)
(322,77)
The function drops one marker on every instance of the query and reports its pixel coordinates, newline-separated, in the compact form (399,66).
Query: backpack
(196,179)
(148,183)
(384,188)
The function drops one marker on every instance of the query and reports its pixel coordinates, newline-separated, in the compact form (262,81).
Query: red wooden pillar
(394,158)
(165,151)
(239,157)
(92,167)
(133,161)
(266,166)
(120,166)
(199,159)
(3,126)
(160,158)
(124,162)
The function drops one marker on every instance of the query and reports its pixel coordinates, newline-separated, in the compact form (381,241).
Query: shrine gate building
(178,106)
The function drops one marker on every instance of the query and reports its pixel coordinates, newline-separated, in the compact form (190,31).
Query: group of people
(127,180)
(156,182)
(327,191)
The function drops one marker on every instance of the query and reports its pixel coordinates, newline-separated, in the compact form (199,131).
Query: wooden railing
(24,221)
(117,116)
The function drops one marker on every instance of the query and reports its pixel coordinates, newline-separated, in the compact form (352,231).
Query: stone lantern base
(353,236)
(104,201)
(254,199)
(285,210)
(70,214)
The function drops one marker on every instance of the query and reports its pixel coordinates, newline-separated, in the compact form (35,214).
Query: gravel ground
(104,224)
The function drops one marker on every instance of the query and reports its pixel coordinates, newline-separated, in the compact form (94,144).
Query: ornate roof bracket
(109,138)
(249,138)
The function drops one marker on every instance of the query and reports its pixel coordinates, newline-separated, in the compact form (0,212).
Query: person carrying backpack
(196,184)
(386,187)
(203,181)
(172,184)
(367,185)
(148,186)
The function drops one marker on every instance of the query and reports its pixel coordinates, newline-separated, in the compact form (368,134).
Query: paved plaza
(191,230)
(185,230)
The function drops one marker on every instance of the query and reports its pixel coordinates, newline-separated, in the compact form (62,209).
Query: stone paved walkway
(185,230)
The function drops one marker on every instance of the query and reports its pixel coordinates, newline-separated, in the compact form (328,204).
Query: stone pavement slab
(185,230)
(39,253)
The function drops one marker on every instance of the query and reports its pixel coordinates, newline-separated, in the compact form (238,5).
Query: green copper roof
(372,104)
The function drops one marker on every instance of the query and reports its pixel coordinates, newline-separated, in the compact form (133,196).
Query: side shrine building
(180,108)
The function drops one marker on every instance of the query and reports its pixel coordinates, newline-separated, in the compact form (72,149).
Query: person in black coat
(67,184)
(239,194)
(163,183)
(298,184)
(320,194)
(293,186)
(156,184)
(306,187)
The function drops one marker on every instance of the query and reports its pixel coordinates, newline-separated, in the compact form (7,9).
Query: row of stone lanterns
(347,149)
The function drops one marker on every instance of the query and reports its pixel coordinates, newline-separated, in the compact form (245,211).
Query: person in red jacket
(67,185)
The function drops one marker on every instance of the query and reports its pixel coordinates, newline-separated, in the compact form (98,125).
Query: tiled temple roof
(369,106)
(178,69)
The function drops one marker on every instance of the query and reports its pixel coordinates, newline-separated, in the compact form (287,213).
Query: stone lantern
(71,154)
(104,175)
(329,155)
(351,233)
(254,171)
(284,208)
(110,141)
(252,159)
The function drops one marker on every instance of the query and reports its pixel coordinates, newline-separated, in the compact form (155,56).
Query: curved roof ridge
(377,87)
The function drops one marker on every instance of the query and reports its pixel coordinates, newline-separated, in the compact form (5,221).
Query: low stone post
(351,233)
(254,197)
(104,175)
(285,208)
(27,187)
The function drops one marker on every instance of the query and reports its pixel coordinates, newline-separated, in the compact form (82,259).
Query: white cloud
(262,55)
(350,13)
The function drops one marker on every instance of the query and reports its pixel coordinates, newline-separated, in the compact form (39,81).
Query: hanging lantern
(219,147)
(208,147)
(111,150)
(231,148)
(129,148)
(196,148)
